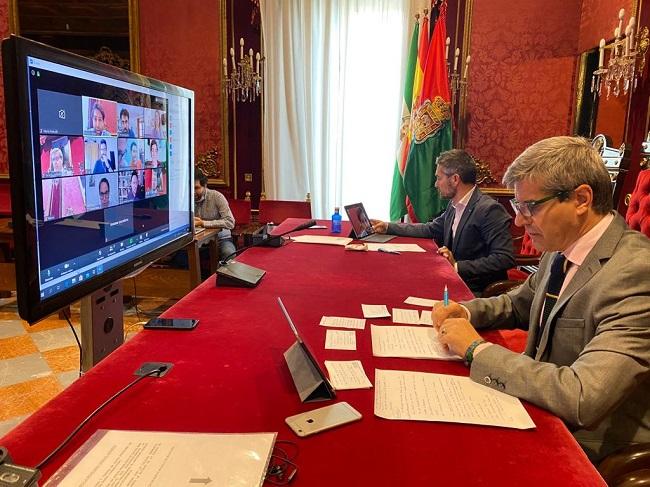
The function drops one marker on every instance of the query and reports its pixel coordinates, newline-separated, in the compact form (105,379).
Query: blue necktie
(555,280)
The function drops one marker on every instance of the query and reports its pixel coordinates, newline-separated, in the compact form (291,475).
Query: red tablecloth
(229,375)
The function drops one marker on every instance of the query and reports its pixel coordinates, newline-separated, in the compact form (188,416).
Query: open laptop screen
(359,220)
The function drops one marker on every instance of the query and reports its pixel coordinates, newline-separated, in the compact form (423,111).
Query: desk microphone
(236,274)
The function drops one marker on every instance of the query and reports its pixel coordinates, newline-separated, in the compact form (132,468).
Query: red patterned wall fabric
(598,20)
(180,42)
(521,76)
(4,32)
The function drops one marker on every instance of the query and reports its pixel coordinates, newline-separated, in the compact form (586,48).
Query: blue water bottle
(336,221)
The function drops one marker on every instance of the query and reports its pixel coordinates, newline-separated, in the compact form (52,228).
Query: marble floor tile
(62,359)
(54,338)
(26,397)
(67,378)
(11,328)
(8,425)
(16,346)
(21,369)
(52,323)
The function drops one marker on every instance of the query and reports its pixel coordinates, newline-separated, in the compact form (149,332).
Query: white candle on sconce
(601,58)
(250,56)
(456,54)
(632,25)
(241,48)
(257,57)
(617,33)
(232,57)
(447,42)
(621,16)
(627,40)
(467,60)
(225,67)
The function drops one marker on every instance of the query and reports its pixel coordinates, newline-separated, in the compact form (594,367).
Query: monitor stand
(102,324)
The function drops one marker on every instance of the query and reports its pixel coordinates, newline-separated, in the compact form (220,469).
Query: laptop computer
(361,225)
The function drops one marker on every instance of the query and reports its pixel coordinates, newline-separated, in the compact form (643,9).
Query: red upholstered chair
(526,261)
(275,211)
(638,213)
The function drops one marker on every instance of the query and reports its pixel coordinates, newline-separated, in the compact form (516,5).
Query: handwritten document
(340,340)
(408,342)
(347,375)
(421,396)
(374,247)
(429,303)
(342,322)
(425,318)
(111,458)
(322,239)
(375,311)
(406,316)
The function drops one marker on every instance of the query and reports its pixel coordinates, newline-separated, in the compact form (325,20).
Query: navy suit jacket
(482,245)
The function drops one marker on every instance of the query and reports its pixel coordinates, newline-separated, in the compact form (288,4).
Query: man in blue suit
(473,233)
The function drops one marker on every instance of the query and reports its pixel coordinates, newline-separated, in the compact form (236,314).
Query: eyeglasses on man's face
(527,208)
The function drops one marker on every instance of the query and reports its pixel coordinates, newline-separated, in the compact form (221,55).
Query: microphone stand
(235,274)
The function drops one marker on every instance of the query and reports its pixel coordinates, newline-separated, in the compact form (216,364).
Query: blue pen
(445,296)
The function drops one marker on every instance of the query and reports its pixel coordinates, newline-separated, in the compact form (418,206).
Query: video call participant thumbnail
(100,154)
(131,186)
(61,156)
(101,191)
(63,197)
(156,153)
(59,113)
(130,153)
(125,129)
(155,123)
(100,117)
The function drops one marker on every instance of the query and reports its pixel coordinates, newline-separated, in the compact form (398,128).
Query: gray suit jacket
(482,245)
(593,368)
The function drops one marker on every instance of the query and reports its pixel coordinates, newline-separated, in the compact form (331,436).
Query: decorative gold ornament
(483,173)
(208,163)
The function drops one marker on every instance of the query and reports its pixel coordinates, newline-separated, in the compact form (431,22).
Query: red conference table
(229,375)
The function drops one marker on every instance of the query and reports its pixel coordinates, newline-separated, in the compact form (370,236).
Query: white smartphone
(305,424)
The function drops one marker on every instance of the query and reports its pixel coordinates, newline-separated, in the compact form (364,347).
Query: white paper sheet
(425,318)
(429,303)
(342,322)
(375,311)
(111,458)
(347,375)
(395,247)
(408,342)
(422,396)
(322,239)
(340,340)
(406,316)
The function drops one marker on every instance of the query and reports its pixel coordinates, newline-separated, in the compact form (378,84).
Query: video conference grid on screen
(106,161)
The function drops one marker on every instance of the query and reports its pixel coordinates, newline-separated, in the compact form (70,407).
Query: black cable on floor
(74,332)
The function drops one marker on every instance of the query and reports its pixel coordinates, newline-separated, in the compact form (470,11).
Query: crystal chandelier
(245,80)
(626,61)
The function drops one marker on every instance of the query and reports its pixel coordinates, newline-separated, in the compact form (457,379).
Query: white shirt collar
(464,200)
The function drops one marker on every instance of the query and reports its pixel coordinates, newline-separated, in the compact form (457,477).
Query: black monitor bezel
(14,56)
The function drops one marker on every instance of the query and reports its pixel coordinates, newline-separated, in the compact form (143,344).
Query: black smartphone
(170,324)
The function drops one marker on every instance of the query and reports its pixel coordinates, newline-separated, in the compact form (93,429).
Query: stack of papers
(408,342)
(422,396)
(347,375)
(406,316)
(112,457)
(342,322)
(429,303)
(322,239)
(340,340)
(375,311)
(389,247)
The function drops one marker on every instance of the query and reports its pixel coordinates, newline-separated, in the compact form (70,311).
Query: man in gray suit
(587,310)
(473,232)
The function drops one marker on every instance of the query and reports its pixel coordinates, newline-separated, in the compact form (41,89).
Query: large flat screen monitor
(101,168)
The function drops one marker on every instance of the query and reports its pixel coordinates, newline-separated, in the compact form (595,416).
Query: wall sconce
(245,80)
(626,61)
